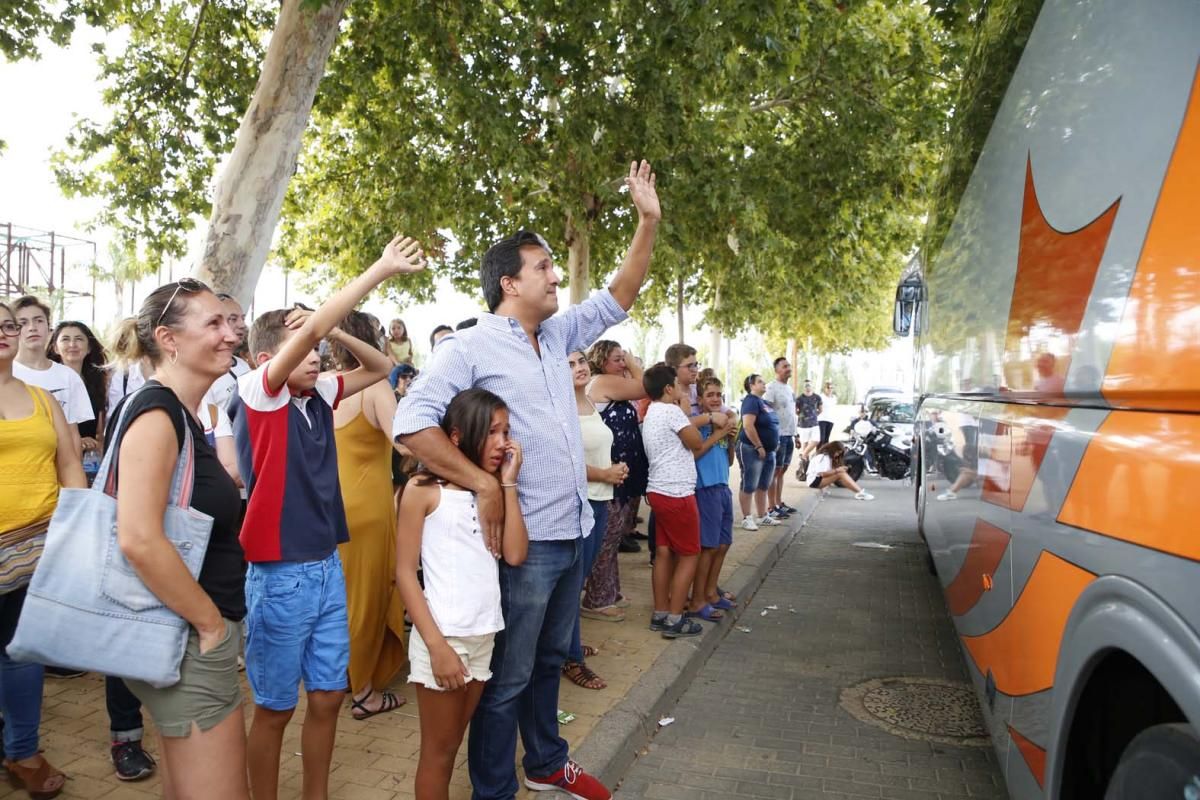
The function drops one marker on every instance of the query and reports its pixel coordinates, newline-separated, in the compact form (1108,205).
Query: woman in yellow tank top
(35,460)
(362,427)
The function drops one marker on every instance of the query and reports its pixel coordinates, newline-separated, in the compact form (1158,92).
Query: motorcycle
(882,448)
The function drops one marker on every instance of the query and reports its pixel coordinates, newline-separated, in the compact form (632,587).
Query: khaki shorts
(208,690)
(475,652)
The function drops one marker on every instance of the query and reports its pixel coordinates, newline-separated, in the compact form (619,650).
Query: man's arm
(628,280)
(402,256)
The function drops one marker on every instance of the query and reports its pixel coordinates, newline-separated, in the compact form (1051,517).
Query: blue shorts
(716,515)
(783,453)
(757,473)
(296,629)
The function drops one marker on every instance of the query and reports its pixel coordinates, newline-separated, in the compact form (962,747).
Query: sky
(42,101)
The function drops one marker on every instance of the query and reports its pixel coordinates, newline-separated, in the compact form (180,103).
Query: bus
(1055,305)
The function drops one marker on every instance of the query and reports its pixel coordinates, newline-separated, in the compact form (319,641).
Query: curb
(613,744)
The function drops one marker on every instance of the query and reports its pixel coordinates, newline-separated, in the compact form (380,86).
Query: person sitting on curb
(827,468)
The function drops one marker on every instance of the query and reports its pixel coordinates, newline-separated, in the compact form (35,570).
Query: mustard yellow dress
(377,650)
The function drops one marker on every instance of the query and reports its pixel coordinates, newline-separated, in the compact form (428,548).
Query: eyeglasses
(189,285)
(10,328)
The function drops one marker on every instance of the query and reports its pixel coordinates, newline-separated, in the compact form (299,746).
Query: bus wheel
(1161,761)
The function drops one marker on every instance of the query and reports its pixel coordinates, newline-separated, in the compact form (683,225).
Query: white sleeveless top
(462,579)
(597,452)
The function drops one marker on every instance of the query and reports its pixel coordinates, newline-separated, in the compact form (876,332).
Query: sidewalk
(843,679)
(376,759)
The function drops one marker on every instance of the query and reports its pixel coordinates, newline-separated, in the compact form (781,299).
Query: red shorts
(676,523)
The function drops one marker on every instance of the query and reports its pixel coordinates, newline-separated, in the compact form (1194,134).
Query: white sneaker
(748,524)
(947,495)
(767,519)
(864,496)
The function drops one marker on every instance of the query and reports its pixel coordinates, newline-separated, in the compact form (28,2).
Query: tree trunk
(579,243)
(679,306)
(791,347)
(250,191)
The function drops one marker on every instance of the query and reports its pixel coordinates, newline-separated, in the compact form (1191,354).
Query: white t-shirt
(816,465)
(121,384)
(828,401)
(782,400)
(225,387)
(64,384)
(672,466)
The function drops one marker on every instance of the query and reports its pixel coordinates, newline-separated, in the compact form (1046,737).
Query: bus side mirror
(908,296)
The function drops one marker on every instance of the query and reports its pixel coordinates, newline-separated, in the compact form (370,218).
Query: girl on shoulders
(457,614)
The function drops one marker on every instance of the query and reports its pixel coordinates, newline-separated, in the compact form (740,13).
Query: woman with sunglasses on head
(183,332)
(37,456)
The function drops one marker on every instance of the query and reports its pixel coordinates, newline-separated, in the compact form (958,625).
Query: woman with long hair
(74,344)
(182,331)
(37,456)
(828,468)
(616,382)
(362,426)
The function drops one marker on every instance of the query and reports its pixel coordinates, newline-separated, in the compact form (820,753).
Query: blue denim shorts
(716,515)
(783,453)
(757,473)
(297,629)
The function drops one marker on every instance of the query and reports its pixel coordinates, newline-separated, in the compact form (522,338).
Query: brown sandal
(579,674)
(589,651)
(42,782)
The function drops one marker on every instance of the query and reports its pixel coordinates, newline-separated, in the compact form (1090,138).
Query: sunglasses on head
(189,285)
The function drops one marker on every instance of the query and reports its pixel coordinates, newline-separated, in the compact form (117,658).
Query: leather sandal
(580,674)
(42,782)
(388,702)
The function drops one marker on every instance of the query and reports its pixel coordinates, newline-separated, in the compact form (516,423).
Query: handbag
(86,608)
(19,553)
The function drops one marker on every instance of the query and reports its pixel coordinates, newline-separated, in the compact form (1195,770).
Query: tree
(793,142)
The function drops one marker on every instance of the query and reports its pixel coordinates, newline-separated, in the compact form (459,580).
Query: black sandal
(390,703)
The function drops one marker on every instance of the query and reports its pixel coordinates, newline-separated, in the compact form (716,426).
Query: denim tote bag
(86,608)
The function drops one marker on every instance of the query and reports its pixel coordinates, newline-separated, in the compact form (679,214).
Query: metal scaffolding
(34,261)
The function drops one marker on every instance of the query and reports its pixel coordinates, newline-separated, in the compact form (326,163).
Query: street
(848,626)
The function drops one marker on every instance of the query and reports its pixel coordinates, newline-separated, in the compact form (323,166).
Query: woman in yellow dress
(362,428)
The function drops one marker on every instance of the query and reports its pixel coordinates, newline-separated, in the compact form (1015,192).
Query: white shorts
(812,434)
(475,652)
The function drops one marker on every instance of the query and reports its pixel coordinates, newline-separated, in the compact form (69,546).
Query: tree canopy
(793,141)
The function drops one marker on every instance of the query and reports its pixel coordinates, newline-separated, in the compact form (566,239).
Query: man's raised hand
(642,191)
(402,256)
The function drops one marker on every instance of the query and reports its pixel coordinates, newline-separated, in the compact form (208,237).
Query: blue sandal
(725,604)
(707,613)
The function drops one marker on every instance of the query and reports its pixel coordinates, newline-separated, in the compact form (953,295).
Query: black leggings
(826,430)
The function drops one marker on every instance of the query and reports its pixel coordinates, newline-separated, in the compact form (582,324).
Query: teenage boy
(33,367)
(296,622)
(715,503)
(783,402)
(672,445)
(808,409)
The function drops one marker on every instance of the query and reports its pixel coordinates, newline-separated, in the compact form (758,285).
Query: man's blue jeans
(20,686)
(591,549)
(541,603)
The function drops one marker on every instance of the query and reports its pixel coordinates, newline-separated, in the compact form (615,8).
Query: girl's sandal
(589,651)
(42,782)
(388,702)
(581,675)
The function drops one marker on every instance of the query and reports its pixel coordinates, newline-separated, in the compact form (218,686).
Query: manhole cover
(926,709)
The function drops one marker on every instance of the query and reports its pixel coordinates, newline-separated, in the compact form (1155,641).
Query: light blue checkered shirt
(496,355)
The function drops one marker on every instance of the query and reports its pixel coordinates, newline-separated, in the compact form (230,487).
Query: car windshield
(894,412)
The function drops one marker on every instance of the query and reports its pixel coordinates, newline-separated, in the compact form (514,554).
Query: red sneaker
(572,780)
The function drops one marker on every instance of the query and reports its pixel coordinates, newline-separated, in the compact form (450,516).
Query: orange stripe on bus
(1035,757)
(1155,357)
(1138,482)
(1022,651)
(984,554)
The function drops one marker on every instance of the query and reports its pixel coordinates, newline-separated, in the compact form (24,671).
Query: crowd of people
(482,504)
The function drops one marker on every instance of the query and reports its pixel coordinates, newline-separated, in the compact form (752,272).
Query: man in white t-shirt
(782,400)
(34,368)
